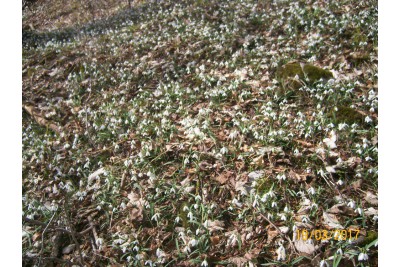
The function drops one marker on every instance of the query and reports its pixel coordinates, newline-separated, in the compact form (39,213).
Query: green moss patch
(347,115)
(294,75)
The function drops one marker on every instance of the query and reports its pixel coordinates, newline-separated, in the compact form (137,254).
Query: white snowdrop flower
(237,203)
(233,135)
(127,162)
(281,253)
(186,161)
(198,198)
(193,242)
(274,204)
(232,240)
(150,263)
(190,216)
(224,150)
(177,219)
(311,190)
(187,249)
(340,182)
(330,169)
(196,206)
(99,242)
(264,198)
(323,263)
(362,256)
(129,258)
(342,126)
(351,204)
(281,177)
(160,253)
(155,217)
(339,251)
(151,175)
(331,141)
(255,202)
(283,217)
(204,263)
(359,211)
(135,248)
(271,193)
(368,119)
(185,208)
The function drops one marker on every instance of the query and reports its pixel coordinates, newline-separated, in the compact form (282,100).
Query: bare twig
(93,231)
(279,231)
(49,259)
(44,231)
(73,233)
(39,223)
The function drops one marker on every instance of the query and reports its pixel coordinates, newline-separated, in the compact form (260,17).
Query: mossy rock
(347,115)
(368,239)
(307,74)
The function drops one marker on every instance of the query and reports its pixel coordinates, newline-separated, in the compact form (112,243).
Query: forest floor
(198,133)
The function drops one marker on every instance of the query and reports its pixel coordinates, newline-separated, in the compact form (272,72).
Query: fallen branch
(44,231)
(279,231)
(54,229)
(93,231)
(40,120)
(73,233)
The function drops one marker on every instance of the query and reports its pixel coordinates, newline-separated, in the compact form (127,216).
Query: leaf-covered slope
(178,143)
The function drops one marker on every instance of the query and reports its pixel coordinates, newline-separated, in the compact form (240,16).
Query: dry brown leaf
(258,161)
(204,166)
(341,208)
(272,234)
(136,214)
(215,240)
(223,177)
(302,225)
(331,221)
(304,143)
(137,203)
(370,211)
(213,226)
(357,184)
(238,261)
(371,198)
(92,176)
(36,236)
(296,177)
(252,254)
(304,246)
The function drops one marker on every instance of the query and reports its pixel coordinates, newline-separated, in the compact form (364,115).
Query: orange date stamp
(321,234)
